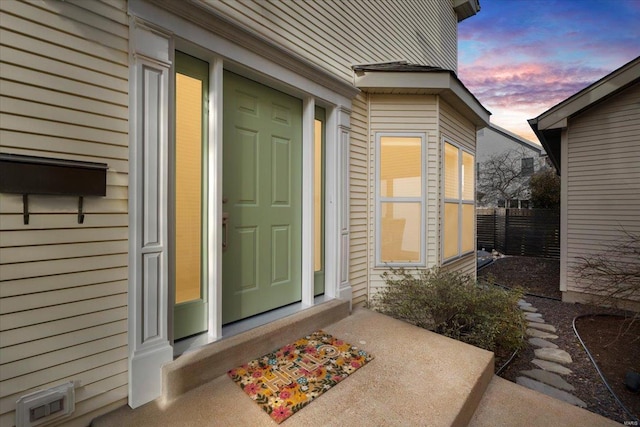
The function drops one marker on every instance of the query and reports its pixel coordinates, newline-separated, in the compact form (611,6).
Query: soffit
(411,79)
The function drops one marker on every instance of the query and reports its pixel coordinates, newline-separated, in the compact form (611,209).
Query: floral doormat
(288,379)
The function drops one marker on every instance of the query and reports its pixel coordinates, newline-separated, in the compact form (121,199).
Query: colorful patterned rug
(288,379)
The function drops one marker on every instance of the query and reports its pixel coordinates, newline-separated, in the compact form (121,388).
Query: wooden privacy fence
(526,232)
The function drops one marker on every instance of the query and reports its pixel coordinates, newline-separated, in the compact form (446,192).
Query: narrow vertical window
(400,199)
(459,207)
(191,91)
(318,199)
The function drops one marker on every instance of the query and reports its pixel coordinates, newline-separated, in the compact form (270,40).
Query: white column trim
(149,344)
(343,126)
(215,208)
(308,118)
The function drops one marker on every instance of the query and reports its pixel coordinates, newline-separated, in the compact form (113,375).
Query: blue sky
(521,57)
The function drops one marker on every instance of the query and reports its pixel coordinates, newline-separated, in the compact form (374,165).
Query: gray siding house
(592,139)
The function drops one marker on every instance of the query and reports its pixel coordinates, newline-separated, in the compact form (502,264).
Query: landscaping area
(614,342)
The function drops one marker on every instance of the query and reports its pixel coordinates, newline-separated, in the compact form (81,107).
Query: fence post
(506,231)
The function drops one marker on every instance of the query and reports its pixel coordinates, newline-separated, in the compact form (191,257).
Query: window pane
(450,246)
(317,196)
(451,185)
(400,166)
(401,232)
(468,221)
(188,233)
(467,176)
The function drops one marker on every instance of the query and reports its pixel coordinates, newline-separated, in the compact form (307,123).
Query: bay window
(400,198)
(459,207)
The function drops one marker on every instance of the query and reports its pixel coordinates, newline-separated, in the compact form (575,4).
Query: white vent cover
(43,406)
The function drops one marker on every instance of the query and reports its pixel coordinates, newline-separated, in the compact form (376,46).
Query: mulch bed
(615,357)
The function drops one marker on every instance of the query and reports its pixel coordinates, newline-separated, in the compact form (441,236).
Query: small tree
(613,275)
(545,189)
(502,177)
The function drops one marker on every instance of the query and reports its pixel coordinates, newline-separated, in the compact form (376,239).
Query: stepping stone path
(551,360)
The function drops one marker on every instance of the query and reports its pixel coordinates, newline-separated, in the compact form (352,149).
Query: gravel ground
(584,378)
(541,277)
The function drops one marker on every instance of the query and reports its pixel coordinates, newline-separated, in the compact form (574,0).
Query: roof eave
(550,140)
(556,117)
(465,8)
(443,83)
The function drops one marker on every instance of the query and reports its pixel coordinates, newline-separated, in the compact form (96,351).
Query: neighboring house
(212,117)
(592,139)
(516,157)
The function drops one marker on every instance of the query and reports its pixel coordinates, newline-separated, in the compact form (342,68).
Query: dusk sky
(521,57)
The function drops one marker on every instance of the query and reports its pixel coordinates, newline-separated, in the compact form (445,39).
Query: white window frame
(458,200)
(422,200)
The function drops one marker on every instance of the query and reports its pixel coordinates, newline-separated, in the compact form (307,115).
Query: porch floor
(417,378)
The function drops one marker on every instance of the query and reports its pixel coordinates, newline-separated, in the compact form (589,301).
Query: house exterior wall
(459,130)
(405,113)
(359,202)
(601,185)
(65,94)
(63,285)
(335,34)
(491,143)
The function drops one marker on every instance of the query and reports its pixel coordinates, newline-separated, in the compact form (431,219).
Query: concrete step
(416,377)
(508,404)
(200,366)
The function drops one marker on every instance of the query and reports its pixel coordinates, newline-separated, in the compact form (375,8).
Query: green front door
(262,209)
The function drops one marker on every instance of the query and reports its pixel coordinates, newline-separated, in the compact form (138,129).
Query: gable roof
(518,139)
(406,78)
(548,125)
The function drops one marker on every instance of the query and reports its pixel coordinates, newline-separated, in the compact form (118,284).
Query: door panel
(190,305)
(262,176)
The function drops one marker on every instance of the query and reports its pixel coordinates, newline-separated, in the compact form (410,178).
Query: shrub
(454,305)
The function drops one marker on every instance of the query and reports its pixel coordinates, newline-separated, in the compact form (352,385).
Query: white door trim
(158,46)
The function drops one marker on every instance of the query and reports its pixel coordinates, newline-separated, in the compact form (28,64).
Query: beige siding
(603,173)
(335,34)
(63,285)
(359,199)
(455,128)
(406,113)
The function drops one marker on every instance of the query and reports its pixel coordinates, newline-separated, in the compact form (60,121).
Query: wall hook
(25,208)
(80,213)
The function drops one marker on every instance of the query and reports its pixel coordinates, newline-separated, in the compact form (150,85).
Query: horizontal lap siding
(63,285)
(603,173)
(455,128)
(419,114)
(336,34)
(358,194)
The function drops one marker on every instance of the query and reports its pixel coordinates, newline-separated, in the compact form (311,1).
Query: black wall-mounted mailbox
(41,175)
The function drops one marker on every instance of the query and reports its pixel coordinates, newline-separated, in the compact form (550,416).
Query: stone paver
(550,391)
(540,334)
(553,355)
(552,367)
(548,378)
(542,326)
(539,342)
(548,357)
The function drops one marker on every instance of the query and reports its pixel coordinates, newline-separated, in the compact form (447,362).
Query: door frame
(155,33)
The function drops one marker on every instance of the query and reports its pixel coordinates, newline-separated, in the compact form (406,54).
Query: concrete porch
(416,378)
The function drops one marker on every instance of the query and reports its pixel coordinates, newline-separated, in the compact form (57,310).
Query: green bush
(454,305)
